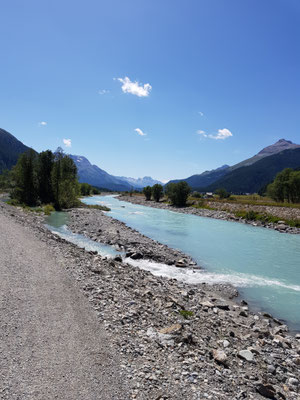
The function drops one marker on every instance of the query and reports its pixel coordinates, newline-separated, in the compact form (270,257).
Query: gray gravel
(52,346)
(174,340)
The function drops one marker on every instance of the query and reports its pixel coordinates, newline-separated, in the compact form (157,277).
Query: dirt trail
(51,343)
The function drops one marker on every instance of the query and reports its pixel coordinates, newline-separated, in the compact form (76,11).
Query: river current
(262,263)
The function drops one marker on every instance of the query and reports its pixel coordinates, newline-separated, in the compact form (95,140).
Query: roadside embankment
(175,341)
(226,211)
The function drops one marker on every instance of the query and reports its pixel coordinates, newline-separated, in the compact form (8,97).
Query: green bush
(147,191)
(178,193)
(48,209)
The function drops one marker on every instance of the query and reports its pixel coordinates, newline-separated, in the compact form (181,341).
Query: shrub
(178,193)
(48,209)
(157,192)
(147,191)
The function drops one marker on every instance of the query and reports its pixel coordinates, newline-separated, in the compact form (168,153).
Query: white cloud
(140,132)
(134,87)
(67,142)
(201,113)
(221,135)
(103,91)
(42,123)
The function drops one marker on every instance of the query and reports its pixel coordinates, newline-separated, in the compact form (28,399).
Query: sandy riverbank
(175,341)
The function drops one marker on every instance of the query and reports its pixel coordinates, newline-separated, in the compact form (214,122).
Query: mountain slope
(275,148)
(10,150)
(211,180)
(251,178)
(204,179)
(96,176)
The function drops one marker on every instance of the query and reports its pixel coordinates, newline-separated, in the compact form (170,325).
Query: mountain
(96,176)
(249,175)
(139,183)
(204,179)
(251,178)
(10,150)
(275,148)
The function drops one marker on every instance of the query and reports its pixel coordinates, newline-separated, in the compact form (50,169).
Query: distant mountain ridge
(204,179)
(140,182)
(96,176)
(252,178)
(250,175)
(10,150)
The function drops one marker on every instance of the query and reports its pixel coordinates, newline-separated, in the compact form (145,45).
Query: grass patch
(186,314)
(202,204)
(254,200)
(94,207)
(266,218)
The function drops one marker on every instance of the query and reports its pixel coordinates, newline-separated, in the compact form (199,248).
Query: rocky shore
(220,213)
(176,341)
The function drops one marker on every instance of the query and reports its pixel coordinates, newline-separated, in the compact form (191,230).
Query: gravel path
(51,344)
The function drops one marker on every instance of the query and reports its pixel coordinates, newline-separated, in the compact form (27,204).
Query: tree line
(44,178)
(177,193)
(286,186)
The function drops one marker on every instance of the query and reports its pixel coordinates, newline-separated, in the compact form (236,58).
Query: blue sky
(166,88)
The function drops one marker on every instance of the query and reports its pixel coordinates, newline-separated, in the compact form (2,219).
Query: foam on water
(198,276)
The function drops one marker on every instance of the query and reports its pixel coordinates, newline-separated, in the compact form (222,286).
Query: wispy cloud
(67,142)
(222,134)
(201,113)
(103,91)
(135,88)
(140,132)
(42,123)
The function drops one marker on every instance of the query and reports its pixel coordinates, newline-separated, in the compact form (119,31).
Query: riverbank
(219,212)
(175,341)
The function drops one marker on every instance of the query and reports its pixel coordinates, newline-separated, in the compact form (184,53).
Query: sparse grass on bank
(254,200)
(94,206)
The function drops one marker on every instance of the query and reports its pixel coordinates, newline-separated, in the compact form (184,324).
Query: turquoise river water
(263,264)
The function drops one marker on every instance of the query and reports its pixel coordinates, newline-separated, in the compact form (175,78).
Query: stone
(220,356)
(173,329)
(181,263)
(222,306)
(136,256)
(266,390)
(246,355)
(293,382)
(243,314)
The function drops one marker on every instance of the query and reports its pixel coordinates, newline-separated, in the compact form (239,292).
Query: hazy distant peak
(277,147)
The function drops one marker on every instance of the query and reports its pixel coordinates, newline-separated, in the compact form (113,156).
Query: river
(262,263)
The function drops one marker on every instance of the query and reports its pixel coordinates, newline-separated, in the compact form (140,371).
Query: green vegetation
(147,191)
(186,314)
(44,178)
(265,218)
(94,206)
(48,209)
(88,190)
(157,192)
(286,186)
(222,193)
(5,181)
(178,193)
